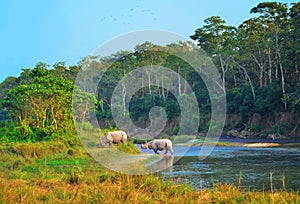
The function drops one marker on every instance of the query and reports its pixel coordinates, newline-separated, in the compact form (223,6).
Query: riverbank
(233,141)
(64,176)
(130,189)
(260,142)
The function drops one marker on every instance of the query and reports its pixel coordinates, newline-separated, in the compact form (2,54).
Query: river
(255,167)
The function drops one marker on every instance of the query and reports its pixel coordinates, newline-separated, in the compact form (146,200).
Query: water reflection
(226,164)
(164,162)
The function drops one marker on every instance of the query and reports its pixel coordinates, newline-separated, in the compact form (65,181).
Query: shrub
(37,150)
(176,130)
(129,147)
(254,128)
(86,126)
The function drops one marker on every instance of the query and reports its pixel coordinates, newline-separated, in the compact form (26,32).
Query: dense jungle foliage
(258,62)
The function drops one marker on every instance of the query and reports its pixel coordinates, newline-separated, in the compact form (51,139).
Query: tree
(60,69)
(83,104)
(43,104)
(275,16)
(293,43)
(219,41)
(149,54)
(255,48)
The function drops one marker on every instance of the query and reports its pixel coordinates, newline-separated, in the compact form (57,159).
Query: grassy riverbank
(53,172)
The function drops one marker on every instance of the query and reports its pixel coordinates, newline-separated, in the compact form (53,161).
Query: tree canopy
(258,62)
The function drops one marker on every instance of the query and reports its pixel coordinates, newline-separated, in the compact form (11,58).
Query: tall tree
(293,53)
(218,40)
(274,15)
(255,49)
(45,103)
(148,54)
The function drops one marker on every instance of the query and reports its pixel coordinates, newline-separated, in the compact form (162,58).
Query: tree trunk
(295,128)
(261,77)
(185,87)
(179,82)
(283,86)
(234,79)
(270,66)
(281,68)
(149,83)
(53,118)
(162,88)
(261,74)
(124,98)
(247,77)
(224,69)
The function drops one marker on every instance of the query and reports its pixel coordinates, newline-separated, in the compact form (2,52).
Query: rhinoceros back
(117,137)
(161,144)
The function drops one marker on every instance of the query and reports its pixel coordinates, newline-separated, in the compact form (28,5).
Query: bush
(10,134)
(176,130)
(129,147)
(38,150)
(86,126)
(254,128)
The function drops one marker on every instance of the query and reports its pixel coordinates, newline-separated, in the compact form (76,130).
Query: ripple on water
(227,164)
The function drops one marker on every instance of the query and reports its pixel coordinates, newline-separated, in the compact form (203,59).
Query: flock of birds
(131,13)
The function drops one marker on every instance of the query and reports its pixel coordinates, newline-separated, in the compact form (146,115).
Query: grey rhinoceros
(113,137)
(159,144)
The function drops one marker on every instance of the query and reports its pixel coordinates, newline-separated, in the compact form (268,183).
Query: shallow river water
(254,166)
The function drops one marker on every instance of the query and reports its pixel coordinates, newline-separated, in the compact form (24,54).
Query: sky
(50,31)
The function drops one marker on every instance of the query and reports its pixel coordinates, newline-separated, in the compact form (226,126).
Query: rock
(276,136)
(233,133)
(245,134)
(271,136)
(282,137)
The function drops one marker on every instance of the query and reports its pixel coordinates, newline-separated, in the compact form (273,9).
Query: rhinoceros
(113,137)
(159,144)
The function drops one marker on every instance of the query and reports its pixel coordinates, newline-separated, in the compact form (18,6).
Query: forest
(258,62)
(50,117)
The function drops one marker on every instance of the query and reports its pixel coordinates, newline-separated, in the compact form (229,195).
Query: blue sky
(67,30)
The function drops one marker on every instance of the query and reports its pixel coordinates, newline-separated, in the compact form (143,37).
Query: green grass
(56,176)
(196,140)
(129,148)
(190,140)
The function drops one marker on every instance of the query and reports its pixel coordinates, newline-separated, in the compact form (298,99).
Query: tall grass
(129,147)
(118,188)
(55,176)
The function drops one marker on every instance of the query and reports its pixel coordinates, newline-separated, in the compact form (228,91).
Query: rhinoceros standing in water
(113,137)
(159,144)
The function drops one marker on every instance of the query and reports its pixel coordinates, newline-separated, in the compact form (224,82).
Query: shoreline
(238,142)
(257,140)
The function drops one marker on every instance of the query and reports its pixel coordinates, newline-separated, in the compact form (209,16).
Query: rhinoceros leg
(124,137)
